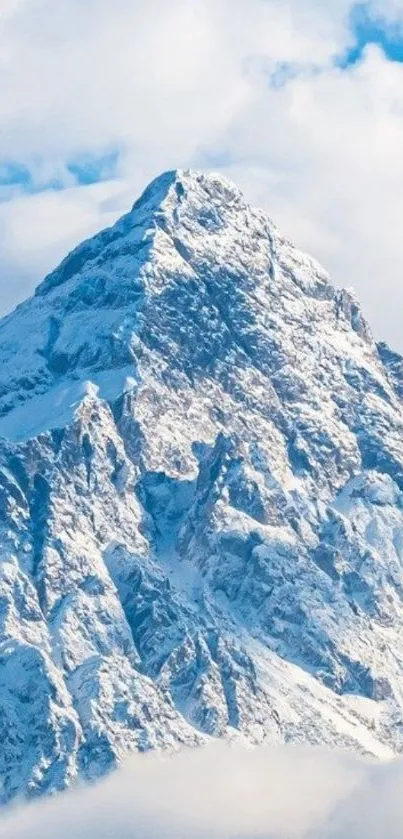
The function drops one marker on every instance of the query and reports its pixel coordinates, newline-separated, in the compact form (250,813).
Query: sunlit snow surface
(201,499)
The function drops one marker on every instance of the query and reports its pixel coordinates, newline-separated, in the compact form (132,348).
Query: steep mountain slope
(201,498)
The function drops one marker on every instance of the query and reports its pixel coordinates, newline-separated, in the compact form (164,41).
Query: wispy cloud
(226,792)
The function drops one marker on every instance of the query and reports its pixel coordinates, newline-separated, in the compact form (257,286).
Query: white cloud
(36,231)
(226,792)
(185,83)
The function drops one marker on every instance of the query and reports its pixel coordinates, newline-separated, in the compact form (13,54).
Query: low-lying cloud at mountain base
(226,791)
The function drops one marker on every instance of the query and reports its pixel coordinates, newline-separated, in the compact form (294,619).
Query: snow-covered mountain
(201,496)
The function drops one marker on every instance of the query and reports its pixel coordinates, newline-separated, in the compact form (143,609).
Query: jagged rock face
(201,498)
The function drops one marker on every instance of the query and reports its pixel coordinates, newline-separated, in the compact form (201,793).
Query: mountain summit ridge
(201,498)
(146,241)
(161,198)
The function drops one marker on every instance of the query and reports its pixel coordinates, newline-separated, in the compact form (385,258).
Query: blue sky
(84,169)
(299,101)
(370,28)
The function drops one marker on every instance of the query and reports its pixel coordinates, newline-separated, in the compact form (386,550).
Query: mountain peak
(190,254)
(200,198)
(201,498)
(179,183)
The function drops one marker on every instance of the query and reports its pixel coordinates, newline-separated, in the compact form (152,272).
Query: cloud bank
(226,792)
(255,88)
